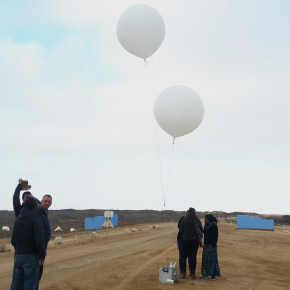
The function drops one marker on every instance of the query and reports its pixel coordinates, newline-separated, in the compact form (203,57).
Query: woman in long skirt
(210,266)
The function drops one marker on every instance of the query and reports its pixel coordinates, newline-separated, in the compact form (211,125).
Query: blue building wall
(97,222)
(254,223)
(114,220)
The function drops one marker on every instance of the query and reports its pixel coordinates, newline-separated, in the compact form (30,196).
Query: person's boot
(192,276)
(182,275)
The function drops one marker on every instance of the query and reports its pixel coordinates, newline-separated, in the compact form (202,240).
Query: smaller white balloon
(178,110)
(141,30)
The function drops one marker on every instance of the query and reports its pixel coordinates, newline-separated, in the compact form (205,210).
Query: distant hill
(71,218)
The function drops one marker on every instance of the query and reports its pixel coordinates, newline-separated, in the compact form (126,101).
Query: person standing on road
(17,206)
(28,241)
(210,266)
(191,230)
(42,210)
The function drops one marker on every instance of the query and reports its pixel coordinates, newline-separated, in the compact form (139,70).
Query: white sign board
(108,214)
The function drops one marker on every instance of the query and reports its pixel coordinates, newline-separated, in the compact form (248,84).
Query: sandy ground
(252,259)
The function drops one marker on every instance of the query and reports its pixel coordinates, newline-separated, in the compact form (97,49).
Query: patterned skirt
(210,265)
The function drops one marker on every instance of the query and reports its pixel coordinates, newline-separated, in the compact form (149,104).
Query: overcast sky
(76,115)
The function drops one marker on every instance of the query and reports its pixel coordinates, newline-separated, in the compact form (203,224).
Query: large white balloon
(141,30)
(178,110)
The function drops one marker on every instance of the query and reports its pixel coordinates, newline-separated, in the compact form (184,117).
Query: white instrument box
(168,272)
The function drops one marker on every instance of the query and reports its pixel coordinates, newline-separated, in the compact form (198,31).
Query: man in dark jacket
(43,211)
(17,206)
(28,241)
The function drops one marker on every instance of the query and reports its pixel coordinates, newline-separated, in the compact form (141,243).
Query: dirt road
(252,259)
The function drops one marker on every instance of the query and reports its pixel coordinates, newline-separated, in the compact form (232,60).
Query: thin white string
(168,172)
(156,136)
(155,133)
(156,128)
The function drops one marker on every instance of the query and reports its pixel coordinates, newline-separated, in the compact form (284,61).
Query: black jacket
(179,235)
(16,201)
(17,206)
(211,235)
(188,230)
(28,235)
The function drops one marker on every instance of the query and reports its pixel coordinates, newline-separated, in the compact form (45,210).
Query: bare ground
(252,259)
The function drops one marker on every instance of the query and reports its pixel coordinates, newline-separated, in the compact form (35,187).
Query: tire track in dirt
(70,259)
(90,255)
(136,272)
(68,272)
(80,266)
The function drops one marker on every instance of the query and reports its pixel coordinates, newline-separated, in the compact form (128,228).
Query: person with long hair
(191,231)
(210,266)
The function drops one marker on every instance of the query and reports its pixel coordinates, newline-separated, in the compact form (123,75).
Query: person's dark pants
(180,245)
(11,287)
(26,272)
(189,250)
(39,276)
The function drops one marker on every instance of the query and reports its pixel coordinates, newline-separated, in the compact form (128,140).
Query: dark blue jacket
(27,237)
(179,235)
(47,231)
(211,235)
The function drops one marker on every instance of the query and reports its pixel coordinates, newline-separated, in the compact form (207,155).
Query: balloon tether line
(155,127)
(169,171)
(157,135)
(155,131)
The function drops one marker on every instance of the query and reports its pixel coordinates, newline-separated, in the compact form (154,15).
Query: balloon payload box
(168,272)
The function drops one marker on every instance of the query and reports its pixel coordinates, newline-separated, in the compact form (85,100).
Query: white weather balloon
(178,110)
(141,30)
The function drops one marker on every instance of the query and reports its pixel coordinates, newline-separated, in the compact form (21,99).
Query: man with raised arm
(17,206)
(42,211)
(28,241)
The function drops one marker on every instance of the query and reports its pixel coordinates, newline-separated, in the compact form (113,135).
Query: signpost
(108,215)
